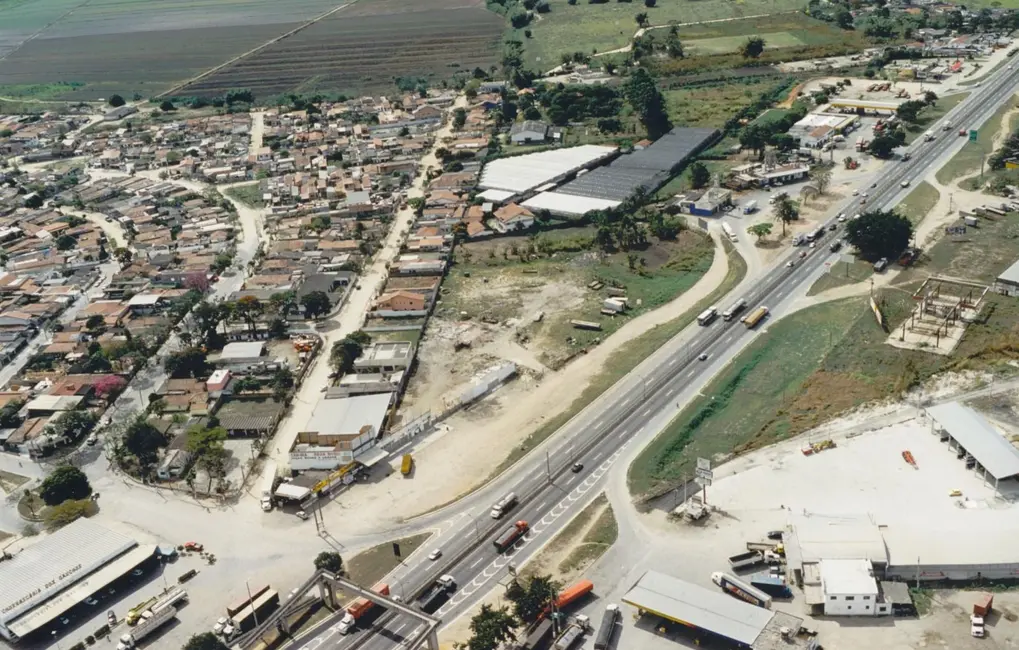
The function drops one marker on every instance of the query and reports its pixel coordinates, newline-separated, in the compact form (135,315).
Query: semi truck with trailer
(736,587)
(503,505)
(707,316)
(753,318)
(146,628)
(264,605)
(510,536)
(607,629)
(252,594)
(361,606)
(734,309)
(437,594)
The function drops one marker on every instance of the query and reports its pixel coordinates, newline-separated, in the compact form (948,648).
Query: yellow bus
(408,465)
(756,316)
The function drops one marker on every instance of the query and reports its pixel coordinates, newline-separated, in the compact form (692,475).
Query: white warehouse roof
(978,437)
(567,204)
(58,561)
(521,173)
(848,577)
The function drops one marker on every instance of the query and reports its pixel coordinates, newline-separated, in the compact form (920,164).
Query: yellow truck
(135,613)
(408,465)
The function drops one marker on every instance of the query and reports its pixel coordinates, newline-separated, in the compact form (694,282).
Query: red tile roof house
(401,304)
(512,217)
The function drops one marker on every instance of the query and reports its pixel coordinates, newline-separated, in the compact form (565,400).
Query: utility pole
(251,600)
(548,468)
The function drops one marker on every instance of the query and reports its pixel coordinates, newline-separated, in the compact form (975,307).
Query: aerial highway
(631,413)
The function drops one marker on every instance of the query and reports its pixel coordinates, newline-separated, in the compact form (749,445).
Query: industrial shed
(710,611)
(971,433)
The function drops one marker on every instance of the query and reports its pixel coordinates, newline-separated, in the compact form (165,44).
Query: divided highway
(631,412)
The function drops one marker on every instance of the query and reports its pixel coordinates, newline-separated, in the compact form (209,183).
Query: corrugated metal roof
(1011,274)
(54,563)
(690,604)
(978,437)
(521,173)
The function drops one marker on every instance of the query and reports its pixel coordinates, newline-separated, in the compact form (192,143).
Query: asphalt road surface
(630,413)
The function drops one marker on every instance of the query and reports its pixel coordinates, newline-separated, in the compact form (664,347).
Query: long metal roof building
(44,570)
(976,435)
(692,605)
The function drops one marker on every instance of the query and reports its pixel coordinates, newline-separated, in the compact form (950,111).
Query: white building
(850,589)
(340,431)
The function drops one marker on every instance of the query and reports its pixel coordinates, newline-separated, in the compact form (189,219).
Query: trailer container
(772,585)
(736,587)
(607,629)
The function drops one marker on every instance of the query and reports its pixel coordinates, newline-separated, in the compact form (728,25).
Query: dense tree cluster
(564,104)
(880,233)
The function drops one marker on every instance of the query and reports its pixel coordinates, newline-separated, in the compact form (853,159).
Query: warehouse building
(850,589)
(50,578)
(521,175)
(816,129)
(711,613)
(976,440)
(1007,283)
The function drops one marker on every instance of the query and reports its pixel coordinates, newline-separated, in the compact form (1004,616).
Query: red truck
(511,535)
(360,607)
(570,595)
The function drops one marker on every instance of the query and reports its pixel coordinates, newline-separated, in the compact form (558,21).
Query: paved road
(630,414)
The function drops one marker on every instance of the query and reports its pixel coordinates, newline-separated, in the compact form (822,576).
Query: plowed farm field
(365,48)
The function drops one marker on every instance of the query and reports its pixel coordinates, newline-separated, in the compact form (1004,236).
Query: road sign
(704,464)
(703,481)
(847,258)
(972,135)
(955,230)
(396,549)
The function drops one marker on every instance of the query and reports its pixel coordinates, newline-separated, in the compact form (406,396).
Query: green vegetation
(610,25)
(919,202)
(39,92)
(815,364)
(969,159)
(249,194)
(879,234)
(714,104)
(627,358)
(840,274)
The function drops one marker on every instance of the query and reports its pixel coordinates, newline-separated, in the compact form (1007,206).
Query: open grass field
(365,48)
(722,44)
(809,367)
(840,274)
(919,202)
(602,27)
(712,105)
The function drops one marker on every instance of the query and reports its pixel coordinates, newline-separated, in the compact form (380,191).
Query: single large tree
(645,98)
(189,362)
(785,211)
(699,175)
(315,303)
(490,628)
(820,176)
(879,234)
(752,48)
(760,230)
(205,641)
(330,561)
(116,101)
(143,441)
(883,146)
(910,111)
(66,482)
(532,598)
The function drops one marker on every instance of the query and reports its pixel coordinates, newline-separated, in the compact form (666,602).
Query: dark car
(835,247)
(775,534)
(881,265)
(577,467)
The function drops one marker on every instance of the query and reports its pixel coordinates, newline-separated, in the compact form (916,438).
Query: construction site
(944,308)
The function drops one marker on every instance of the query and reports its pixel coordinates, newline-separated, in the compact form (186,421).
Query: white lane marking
(671,391)
(645,413)
(477,562)
(599,454)
(672,361)
(570,479)
(598,424)
(690,373)
(397,630)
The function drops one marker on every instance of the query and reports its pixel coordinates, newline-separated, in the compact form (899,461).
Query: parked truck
(570,595)
(736,587)
(510,536)
(538,636)
(743,560)
(573,633)
(135,613)
(607,629)
(770,584)
(982,607)
(146,628)
(256,612)
(437,594)
(750,207)
(361,606)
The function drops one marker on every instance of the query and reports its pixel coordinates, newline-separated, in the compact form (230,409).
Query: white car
(905,183)
(91,440)
(220,625)
(435,555)
(302,515)
(856,192)
(842,217)
(266,504)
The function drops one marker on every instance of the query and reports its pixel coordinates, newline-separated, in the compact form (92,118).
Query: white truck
(750,207)
(145,628)
(268,483)
(928,136)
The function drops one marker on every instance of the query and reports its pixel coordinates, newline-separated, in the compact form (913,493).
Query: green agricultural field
(611,25)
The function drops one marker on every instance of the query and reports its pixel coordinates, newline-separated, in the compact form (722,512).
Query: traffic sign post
(704,476)
(972,135)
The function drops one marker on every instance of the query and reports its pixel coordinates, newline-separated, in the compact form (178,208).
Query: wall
(847,605)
